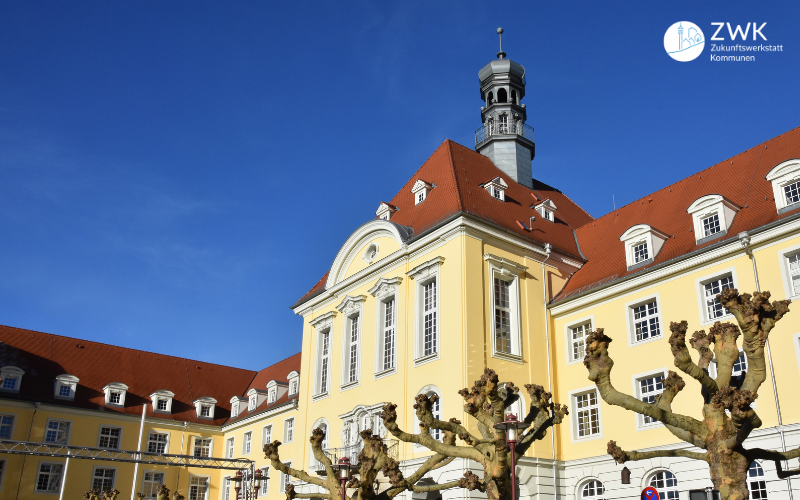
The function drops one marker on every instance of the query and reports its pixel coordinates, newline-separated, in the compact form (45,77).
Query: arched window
(502,95)
(502,124)
(593,490)
(666,484)
(490,98)
(432,390)
(755,482)
(514,97)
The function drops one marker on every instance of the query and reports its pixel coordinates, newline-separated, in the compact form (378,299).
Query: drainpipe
(25,457)
(64,478)
(138,455)
(744,239)
(547,248)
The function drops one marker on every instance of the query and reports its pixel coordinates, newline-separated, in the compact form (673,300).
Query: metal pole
(547,248)
(513,446)
(138,456)
(744,239)
(183,436)
(64,479)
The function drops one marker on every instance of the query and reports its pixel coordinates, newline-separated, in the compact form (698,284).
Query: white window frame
(701,294)
(236,405)
(352,311)
(285,478)
(166,443)
(207,486)
(66,381)
(665,489)
(8,372)
(568,327)
(706,206)
(119,387)
(509,271)
(631,320)
(427,390)
(287,428)
(113,480)
(422,275)
(247,443)
(294,383)
(264,481)
(547,209)
(207,402)
(144,480)
(252,402)
(759,478)
(783,174)
(210,445)
(39,471)
(573,411)
(786,274)
(637,392)
(100,436)
(420,191)
(323,324)
(230,447)
(162,395)
(13,424)
(496,188)
(47,425)
(637,235)
(386,290)
(265,433)
(584,483)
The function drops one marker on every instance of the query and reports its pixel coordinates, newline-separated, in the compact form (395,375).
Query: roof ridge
(698,173)
(453,172)
(130,348)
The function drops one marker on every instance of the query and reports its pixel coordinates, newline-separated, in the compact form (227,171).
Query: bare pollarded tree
(728,418)
(486,402)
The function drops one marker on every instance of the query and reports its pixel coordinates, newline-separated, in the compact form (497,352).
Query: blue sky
(174,175)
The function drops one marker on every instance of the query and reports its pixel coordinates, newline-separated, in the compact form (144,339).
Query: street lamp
(258,477)
(510,425)
(237,478)
(343,472)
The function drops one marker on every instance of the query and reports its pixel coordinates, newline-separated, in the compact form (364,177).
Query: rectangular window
(713,288)
(198,486)
(114,397)
(150,483)
(429,323)
(794,272)
(265,481)
(65,391)
(247,443)
(388,333)
(205,410)
(496,193)
(588,414)
(740,365)
(157,442)
(649,388)
(288,431)
(103,478)
(285,479)
(325,360)
(640,253)
(109,437)
(645,320)
(57,432)
(10,383)
(502,316)
(352,362)
(202,447)
(48,479)
(792,192)
(6,426)
(711,225)
(293,387)
(578,336)
(229,451)
(161,405)
(251,405)
(226,488)
(266,436)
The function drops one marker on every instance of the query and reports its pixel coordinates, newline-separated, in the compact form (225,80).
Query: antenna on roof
(501,54)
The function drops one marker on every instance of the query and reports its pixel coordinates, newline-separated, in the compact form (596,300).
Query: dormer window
(497,188)
(294,382)
(12,378)
(237,405)
(65,386)
(546,209)
(204,407)
(712,216)
(785,179)
(251,403)
(162,401)
(420,191)
(385,211)
(115,394)
(642,244)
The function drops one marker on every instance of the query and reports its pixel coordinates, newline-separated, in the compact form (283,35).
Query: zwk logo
(738,31)
(684,41)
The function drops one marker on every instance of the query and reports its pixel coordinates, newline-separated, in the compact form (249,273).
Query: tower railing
(486,132)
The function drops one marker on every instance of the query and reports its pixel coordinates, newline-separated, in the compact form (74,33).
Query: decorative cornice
(503,265)
(323,319)
(351,304)
(385,286)
(424,270)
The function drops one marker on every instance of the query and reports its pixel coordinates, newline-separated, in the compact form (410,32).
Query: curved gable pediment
(350,259)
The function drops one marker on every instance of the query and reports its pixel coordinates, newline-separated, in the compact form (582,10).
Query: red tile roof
(458,173)
(740,179)
(44,356)
(277,372)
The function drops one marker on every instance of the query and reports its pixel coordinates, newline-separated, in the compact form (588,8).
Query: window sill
(426,359)
(708,322)
(587,438)
(646,427)
(321,395)
(640,265)
(789,208)
(514,358)
(712,237)
(635,343)
(385,373)
(349,385)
